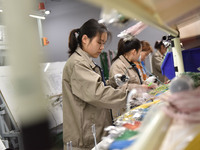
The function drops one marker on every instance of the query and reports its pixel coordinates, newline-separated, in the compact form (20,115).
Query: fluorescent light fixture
(47,12)
(38,17)
(101,21)
(1,10)
(47,66)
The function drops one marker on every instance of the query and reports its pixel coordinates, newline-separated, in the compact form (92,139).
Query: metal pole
(177,56)
(39,22)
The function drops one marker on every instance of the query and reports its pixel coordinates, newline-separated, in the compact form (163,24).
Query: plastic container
(168,66)
(191,61)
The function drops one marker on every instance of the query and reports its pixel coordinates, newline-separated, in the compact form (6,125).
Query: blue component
(122,144)
(190,60)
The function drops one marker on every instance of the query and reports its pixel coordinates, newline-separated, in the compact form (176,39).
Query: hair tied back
(77,31)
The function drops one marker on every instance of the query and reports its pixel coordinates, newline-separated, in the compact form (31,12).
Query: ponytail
(89,28)
(126,46)
(158,45)
(73,41)
(119,49)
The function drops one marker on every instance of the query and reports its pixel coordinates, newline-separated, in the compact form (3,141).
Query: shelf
(162,14)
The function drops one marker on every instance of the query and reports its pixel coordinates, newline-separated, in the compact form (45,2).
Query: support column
(177,56)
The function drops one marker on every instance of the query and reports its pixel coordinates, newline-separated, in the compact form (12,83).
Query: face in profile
(95,46)
(163,49)
(144,55)
(146,50)
(135,54)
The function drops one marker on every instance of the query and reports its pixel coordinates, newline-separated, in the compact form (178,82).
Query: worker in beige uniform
(86,98)
(123,64)
(146,50)
(157,59)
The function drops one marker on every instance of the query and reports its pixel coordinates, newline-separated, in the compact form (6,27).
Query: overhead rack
(161,14)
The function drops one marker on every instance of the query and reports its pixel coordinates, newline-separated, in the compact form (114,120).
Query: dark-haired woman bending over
(123,64)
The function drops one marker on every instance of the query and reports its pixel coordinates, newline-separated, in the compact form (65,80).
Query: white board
(52,83)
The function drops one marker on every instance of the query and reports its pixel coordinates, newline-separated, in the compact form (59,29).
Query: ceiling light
(38,17)
(47,12)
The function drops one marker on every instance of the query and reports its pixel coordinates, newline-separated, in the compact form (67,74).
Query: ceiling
(166,15)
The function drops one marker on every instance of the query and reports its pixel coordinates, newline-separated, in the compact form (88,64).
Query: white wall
(65,16)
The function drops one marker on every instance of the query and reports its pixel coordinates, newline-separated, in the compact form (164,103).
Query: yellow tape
(194,144)
(146,105)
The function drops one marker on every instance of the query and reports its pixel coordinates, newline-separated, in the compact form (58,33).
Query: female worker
(128,52)
(146,50)
(123,64)
(157,59)
(86,98)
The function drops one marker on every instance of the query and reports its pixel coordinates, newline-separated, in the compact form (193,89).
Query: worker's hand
(121,79)
(183,105)
(151,82)
(177,115)
(152,86)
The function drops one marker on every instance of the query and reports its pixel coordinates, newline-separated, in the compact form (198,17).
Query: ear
(85,39)
(134,52)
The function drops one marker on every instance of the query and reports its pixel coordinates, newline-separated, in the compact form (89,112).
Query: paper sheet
(2,147)
(52,83)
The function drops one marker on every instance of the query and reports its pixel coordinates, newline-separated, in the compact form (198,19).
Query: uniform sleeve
(119,70)
(157,62)
(111,82)
(87,85)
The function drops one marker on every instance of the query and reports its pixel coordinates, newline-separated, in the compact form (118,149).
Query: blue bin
(191,61)
(168,66)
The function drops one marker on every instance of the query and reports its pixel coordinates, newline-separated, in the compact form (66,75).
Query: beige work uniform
(157,59)
(123,67)
(86,101)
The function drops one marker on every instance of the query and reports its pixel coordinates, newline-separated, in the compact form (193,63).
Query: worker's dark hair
(158,45)
(126,46)
(90,28)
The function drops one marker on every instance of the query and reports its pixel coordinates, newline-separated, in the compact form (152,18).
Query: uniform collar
(125,61)
(159,53)
(86,56)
